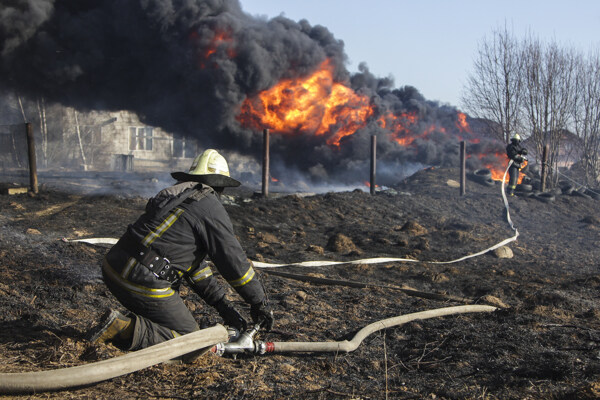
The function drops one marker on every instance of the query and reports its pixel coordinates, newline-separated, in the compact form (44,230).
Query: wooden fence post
(33,180)
(373,162)
(265,171)
(463,175)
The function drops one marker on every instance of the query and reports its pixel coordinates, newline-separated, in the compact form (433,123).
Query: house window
(184,148)
(177,147)
(140,138)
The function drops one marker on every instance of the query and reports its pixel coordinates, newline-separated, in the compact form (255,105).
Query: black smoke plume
(188,65)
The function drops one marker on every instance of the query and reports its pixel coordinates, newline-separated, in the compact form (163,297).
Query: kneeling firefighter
(516,153)
(168,244)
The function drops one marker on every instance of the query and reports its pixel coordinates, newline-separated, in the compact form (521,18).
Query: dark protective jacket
(515,152)
(186,234)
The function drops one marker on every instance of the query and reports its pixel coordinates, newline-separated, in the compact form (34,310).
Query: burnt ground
(545,343)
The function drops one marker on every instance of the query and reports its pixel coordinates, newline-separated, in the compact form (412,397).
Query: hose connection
(241,343)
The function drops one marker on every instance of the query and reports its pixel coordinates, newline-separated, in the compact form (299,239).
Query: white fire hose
(374,260)
(58,379)
(378,260)
(217,337)
(506,201)
(246,344)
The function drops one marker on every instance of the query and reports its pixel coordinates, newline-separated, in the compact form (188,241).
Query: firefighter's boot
(114,326)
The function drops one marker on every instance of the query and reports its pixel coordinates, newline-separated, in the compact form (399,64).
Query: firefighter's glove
(262,314)
(524,152)
(231,317)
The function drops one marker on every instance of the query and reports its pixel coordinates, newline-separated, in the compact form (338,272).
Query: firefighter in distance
(515,152)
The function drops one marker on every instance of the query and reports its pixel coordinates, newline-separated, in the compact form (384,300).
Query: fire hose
(377,260)
(506,201)
(374,260)
(214,338)
(351,345)
(246,344)
(58,379)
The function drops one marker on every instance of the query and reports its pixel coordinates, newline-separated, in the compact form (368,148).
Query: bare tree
(586,115)
(14,145)
(493,92)
(78,130)
(41,106)
(549,76)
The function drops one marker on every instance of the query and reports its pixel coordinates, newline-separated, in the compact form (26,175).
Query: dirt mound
(542,344)
(342,244)
(413,228)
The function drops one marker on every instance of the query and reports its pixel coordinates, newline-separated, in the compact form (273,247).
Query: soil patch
(543,344)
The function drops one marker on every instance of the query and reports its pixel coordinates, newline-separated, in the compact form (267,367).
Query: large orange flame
(318,105)
(315,104)
(498,166)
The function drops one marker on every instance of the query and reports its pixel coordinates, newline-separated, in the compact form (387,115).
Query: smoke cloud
(188,65)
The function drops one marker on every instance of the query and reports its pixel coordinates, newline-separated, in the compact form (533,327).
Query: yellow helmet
(209,168)
(209,162)
(516,137)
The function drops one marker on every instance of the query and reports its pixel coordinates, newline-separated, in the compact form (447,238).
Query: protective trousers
(513,173)
(157,319)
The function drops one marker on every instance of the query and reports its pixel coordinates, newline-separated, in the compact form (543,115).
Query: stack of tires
(548,196)
(545,197)
(483,176)
(524,190)
(531,188)
(565,189)
(570,189)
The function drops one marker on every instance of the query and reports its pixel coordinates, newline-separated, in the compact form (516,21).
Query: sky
(431,44)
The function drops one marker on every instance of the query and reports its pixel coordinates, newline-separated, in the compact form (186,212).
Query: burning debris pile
(207,69)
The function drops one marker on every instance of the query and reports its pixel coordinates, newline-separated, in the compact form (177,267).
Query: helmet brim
(213,180)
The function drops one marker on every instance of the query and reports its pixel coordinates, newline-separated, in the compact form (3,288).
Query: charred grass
(544,343)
